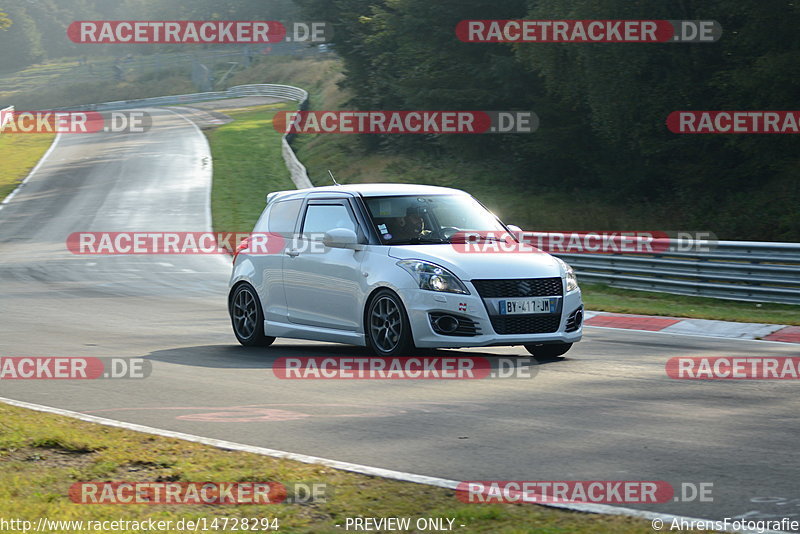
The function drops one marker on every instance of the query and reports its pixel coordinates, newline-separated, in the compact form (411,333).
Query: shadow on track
(238,357)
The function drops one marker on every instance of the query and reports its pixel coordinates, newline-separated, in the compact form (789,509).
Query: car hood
(481,265)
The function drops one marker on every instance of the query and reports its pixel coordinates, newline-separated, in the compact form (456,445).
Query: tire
(386,326)
(552,351)
(247,317)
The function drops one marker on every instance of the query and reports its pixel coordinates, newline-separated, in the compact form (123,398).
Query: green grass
(604,298)
(42,455)
(19,153)
(248,164)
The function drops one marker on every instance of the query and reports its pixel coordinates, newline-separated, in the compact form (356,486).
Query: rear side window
(283,215)
(321,218)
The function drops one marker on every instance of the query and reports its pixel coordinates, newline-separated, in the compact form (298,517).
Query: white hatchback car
(377,265)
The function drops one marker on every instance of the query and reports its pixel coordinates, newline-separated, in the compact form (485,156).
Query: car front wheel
(388,330)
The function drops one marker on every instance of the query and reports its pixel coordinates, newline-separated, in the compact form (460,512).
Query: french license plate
(527,306)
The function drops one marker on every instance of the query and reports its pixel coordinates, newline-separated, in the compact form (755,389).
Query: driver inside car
(412,226)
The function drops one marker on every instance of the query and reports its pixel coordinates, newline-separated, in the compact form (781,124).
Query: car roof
(371,190)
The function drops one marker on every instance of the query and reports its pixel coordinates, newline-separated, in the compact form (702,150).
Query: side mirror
(341,238)
(514,228)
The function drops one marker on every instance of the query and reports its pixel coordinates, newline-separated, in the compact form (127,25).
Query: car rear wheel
(388,331)
(551,351)
(248,318)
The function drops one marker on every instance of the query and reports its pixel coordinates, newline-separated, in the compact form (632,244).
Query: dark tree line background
(602,106)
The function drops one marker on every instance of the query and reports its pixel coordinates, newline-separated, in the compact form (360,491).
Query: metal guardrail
(738,270)
(297,171)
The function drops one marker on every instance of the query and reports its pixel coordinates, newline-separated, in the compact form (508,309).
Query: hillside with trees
(602,106)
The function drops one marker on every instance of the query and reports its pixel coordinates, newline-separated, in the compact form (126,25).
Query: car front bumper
(420,304)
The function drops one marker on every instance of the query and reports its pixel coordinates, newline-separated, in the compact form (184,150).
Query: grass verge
(248,164)
(19,153)
(42,455)
(604,298)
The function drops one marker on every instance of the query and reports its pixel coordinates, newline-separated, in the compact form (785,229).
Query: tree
(22,40)
(602,106)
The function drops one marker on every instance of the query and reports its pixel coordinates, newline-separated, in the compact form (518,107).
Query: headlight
(433,277)
(568,273)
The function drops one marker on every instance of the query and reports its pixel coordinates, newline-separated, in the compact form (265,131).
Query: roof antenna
(333,178)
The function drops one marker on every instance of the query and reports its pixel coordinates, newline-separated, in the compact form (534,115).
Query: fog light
(447,324)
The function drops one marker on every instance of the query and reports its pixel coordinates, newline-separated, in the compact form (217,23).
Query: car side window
(323,217)
(283,216)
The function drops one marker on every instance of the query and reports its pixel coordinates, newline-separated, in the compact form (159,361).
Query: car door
(280,218)
(324,285)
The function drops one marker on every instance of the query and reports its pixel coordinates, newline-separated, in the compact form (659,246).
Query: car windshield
(428,219)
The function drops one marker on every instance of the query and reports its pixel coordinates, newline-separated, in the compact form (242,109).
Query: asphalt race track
(608,412)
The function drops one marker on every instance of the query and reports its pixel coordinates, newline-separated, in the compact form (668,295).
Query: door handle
(293,253)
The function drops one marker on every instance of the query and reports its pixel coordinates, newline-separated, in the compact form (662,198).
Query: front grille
(523,287)
(525,324)
(466,326)
(574,320)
